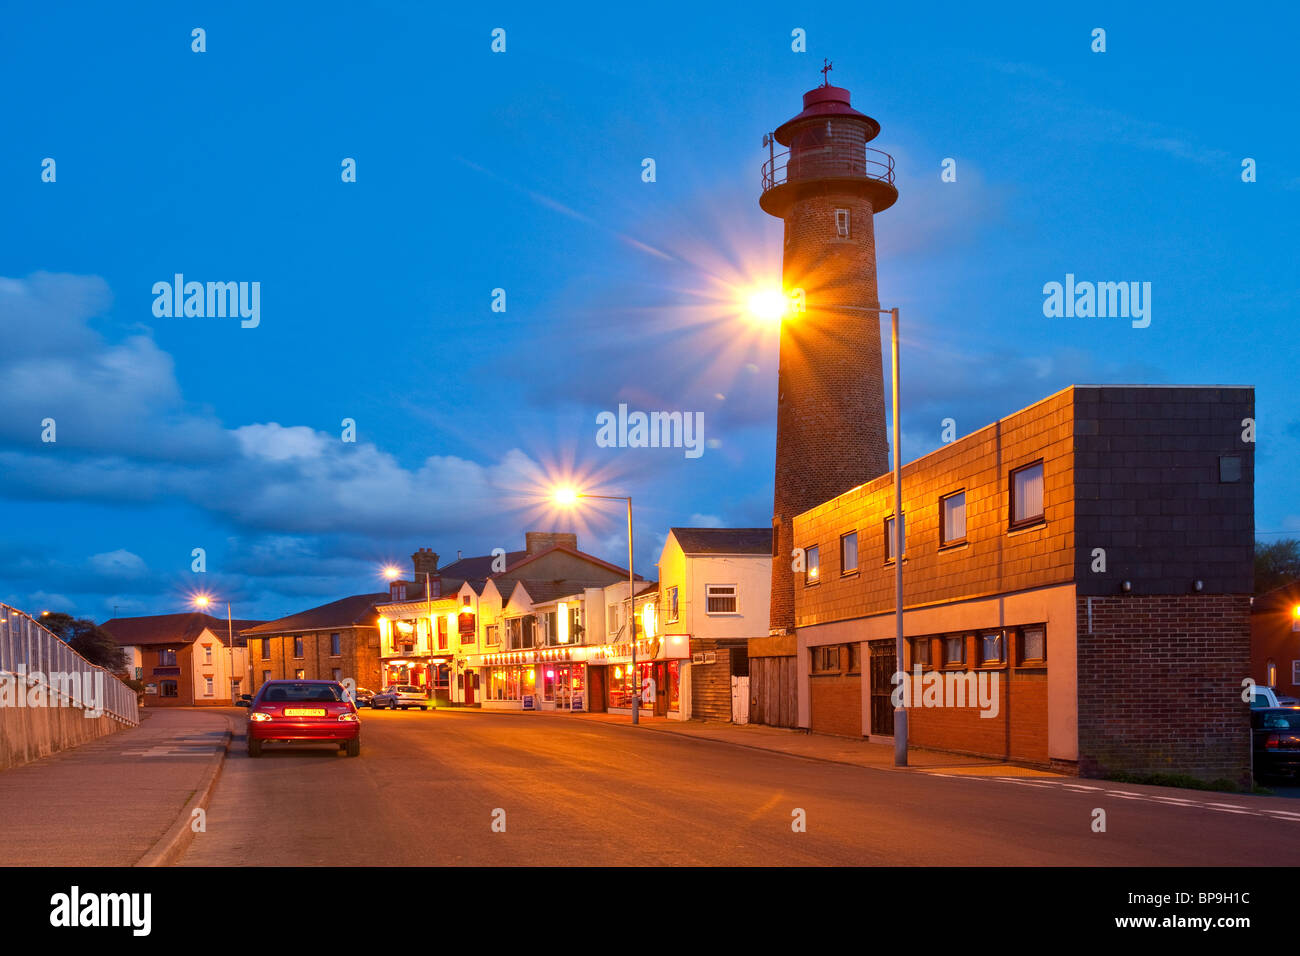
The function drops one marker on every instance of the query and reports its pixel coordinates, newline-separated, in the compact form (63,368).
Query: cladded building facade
(1093,551)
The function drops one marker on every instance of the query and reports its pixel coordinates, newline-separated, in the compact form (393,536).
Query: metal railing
(39,654)
(837,159)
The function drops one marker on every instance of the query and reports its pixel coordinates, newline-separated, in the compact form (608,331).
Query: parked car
(363,697)
(244,700)
(401,695)
(1275,732)
(1266,696)
(303,711)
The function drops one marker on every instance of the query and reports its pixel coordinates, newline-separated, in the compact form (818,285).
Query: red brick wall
(150,657)
(359,660)
(837,704)
(1160,685)
(1271,638)
(1018,732)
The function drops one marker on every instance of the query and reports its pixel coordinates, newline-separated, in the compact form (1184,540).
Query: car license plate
(304,712)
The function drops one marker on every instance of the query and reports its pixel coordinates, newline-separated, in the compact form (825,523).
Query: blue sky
(522,171)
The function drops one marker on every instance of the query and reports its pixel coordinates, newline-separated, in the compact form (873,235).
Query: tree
(1276,564)
(88,639)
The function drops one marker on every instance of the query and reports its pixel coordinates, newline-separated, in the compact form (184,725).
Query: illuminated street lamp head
(767,305)
(202,601)
(566,496)
(391,573)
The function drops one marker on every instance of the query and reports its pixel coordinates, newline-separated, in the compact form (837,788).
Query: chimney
(538,541)
(424,561)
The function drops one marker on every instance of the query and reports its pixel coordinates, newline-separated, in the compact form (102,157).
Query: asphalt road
(429,786)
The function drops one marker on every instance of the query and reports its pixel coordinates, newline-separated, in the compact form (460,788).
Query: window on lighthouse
(842,223)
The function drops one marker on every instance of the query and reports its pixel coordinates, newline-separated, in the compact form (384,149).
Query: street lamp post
(204,602)
(568,497)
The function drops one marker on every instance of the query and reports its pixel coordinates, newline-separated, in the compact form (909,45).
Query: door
(596,689)
(660,671)
(882,687)
(563,689)
(469,677)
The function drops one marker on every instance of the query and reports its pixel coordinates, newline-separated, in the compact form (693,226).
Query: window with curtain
(952,529)
(1027,494)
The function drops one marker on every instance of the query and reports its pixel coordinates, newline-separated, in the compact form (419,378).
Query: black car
(244,700)
(1276,735)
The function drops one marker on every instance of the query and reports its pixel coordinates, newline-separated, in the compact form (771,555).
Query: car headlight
(347,717)
(259,716)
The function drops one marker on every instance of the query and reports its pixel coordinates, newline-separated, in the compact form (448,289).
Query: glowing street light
(566,496)
(767,305)
(392,572)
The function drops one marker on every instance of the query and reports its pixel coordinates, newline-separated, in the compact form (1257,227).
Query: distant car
(303,711)
(1275,732)
(363,697)
(401,695)
(1266,696)
(244,700)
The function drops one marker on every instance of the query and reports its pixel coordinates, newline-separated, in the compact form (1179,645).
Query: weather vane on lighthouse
(826,68)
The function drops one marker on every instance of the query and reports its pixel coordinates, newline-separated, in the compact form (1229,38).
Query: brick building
(1275,640)
(1093,551)
(183,660)
(332,642)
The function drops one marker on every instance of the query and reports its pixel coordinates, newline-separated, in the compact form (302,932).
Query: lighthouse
(826,185)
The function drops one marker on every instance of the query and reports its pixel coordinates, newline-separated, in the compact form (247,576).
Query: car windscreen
(274,693)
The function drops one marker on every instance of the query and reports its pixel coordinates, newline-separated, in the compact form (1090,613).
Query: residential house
(184,660)
(335,641)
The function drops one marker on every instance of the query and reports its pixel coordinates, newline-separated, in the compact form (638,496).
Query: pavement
(111,801)
(452,787)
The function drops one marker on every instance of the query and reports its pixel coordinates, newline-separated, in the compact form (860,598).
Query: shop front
(433,675)
(588,677)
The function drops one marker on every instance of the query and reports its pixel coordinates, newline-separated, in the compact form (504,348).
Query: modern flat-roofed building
(1088,559)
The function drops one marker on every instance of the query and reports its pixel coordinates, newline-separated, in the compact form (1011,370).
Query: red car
(303,711)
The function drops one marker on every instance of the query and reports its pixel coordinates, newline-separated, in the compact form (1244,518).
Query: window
(336,645)
(300,674)
(921,651)
(1033,645)
(207,687)
(1270,673)
(207,653)
(266,676)
(266,648)
(720,598)
(551,627)
(672,605)
(813,566)
(993,648)
(442,632)
(168,688)
(337,673)
(397,591)
(297,647)
(849,552)
(1027,495)
(855,658)
(1295,672)
(1229,468)
(952,518)
(490,634)
(842,223)
(889,538)
(954,651)
(167,657)
(826,659)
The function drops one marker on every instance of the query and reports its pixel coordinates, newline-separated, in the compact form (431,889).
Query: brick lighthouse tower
(830,427)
